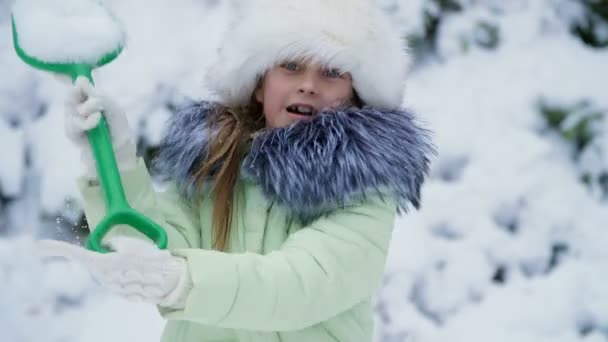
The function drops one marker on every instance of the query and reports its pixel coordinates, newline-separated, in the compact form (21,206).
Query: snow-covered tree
(509,243)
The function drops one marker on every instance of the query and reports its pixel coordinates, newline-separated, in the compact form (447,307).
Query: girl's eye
(293,66)
(332,73)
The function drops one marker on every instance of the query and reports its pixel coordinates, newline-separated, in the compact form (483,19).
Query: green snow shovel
(73,37)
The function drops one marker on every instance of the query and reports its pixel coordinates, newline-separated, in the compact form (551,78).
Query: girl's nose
(308,85)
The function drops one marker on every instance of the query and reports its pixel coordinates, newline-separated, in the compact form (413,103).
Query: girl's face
(295,90)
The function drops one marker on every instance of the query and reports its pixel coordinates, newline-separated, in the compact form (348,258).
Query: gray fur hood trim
(313,167)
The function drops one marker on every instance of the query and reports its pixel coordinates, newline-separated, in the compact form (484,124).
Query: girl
(283,191)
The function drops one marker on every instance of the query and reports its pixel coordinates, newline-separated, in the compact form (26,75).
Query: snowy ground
(509,244)
(57,301)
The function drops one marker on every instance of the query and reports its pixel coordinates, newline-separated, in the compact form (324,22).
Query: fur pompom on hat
(352,35)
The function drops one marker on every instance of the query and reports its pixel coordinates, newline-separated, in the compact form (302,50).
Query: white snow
(56,300)
(11,163)
(75,31)
(478,262)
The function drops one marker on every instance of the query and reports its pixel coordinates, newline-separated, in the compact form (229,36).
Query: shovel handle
(118,210)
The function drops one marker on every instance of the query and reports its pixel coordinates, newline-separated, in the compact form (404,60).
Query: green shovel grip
(118,210)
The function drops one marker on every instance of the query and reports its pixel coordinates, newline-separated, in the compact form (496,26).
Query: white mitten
(83,109)
(137,270)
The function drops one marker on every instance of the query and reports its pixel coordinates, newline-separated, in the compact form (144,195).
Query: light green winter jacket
(309,235)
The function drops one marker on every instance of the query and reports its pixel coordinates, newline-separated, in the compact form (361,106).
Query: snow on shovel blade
(56,35)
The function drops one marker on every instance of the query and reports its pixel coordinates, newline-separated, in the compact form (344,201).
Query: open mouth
(300,109)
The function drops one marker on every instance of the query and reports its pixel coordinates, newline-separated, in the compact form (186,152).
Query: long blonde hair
(232,129)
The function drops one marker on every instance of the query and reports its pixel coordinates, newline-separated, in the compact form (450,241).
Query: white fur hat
(352,35)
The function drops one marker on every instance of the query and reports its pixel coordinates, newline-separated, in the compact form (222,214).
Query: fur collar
(313,167)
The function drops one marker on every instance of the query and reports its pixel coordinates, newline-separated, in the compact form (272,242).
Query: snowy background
(511,242)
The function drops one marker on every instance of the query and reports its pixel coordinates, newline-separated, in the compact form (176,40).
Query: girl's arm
(165,208)
(319,272)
